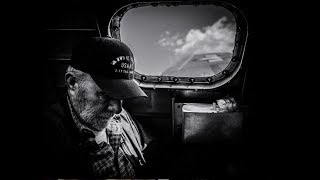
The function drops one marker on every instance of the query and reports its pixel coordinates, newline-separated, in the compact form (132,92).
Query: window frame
(172,82)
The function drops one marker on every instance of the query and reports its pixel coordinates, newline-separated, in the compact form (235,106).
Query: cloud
(169,41)
(216,38)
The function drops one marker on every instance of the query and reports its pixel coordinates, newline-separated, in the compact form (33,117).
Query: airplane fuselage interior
(191,59)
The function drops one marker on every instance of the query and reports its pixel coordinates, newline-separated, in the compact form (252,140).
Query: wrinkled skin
(92,106)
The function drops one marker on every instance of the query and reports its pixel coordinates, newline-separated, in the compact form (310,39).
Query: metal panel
(212,127)
(177,119)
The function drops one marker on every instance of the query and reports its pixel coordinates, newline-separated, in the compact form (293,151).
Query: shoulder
(145,134)
(56,119)
(125,114)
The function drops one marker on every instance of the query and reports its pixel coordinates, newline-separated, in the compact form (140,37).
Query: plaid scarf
(106,160)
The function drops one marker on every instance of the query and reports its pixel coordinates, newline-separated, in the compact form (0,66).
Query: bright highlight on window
(181,41)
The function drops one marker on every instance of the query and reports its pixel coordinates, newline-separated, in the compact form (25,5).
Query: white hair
(81,76)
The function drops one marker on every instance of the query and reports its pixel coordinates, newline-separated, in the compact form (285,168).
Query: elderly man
(88,133)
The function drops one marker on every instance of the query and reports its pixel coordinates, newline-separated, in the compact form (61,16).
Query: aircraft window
(190,43)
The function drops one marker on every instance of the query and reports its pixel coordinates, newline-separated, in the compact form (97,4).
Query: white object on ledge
(199,107)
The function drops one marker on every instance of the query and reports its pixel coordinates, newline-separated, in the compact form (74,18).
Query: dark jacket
(63,158)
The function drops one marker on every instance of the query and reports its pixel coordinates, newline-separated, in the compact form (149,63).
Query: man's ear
(71,81)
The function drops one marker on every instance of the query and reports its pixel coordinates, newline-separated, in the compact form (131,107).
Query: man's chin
(101,123)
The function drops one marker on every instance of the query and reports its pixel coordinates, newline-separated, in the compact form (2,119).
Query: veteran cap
(110,63)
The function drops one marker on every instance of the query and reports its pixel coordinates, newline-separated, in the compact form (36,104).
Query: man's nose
(115,106)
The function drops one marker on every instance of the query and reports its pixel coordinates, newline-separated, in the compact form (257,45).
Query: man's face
(93,106)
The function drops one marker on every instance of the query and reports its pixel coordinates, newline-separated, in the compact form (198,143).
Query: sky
(161,36)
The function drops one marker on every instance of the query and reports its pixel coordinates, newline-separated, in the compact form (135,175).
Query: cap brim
(120,88)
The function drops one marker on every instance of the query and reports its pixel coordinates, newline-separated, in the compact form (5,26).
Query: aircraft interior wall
(159,112)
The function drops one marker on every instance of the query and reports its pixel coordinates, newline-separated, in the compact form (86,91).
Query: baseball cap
(110,63)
